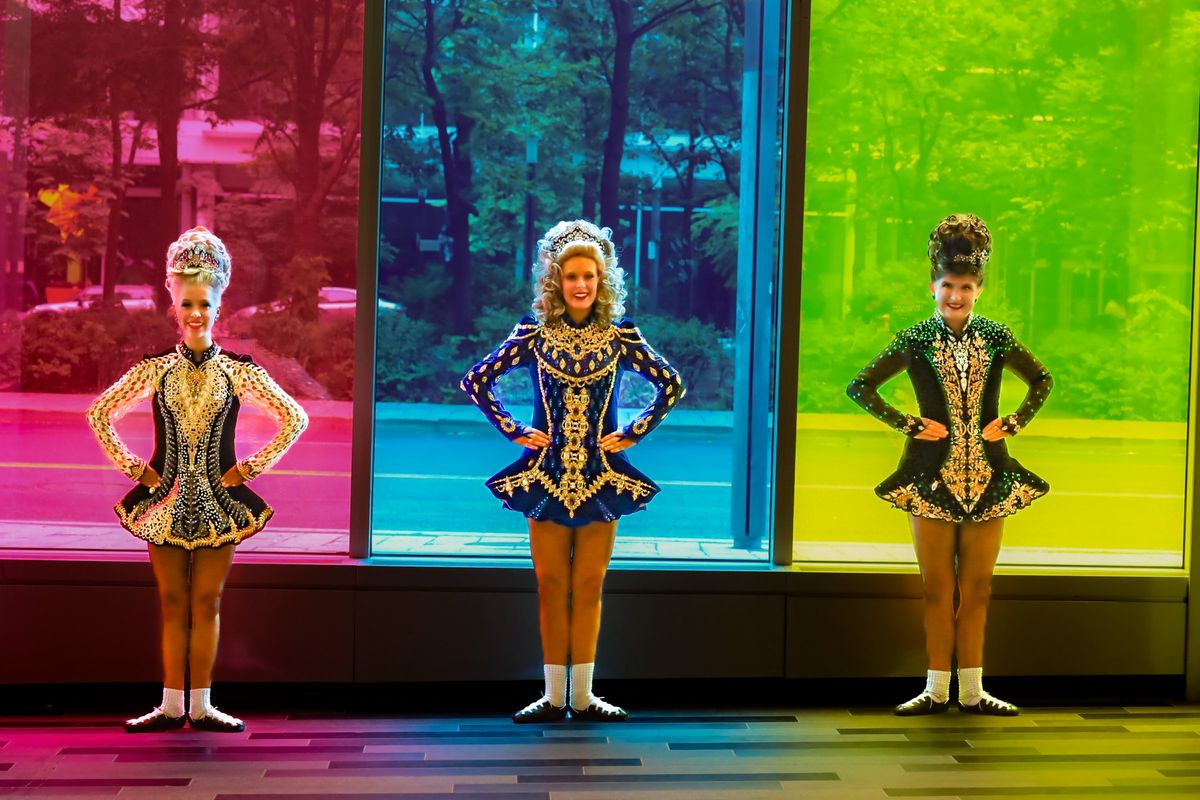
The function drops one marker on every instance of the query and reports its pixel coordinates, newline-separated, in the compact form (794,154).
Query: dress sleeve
(253,386)
(479,382)
(132,388)
(864,389)
(639,356)
(1018,359)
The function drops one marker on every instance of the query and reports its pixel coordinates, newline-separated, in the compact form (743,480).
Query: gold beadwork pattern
(556,343)
(962,364)
(956,379)
(135,386)
(190,508)
(634,351)
(909,498)
(1019,496)
(508,356)
(253,385)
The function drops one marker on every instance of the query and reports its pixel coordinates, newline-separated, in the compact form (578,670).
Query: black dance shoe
(919,706)
(540,710)
(157,720)
(217,722)
(599,711)
(990,706)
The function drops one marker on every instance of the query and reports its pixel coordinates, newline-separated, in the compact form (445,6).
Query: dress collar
(195,358)
(570,323)
(950,331)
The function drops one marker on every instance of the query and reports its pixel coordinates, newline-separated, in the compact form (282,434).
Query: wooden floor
(867,753)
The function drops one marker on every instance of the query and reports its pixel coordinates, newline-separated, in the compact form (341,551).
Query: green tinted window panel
(1071,128)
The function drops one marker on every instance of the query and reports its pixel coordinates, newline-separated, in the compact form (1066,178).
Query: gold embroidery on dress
(1019,496)
(908,498)
(190,508)
(136,385)
(253,385)
(962,364)
(572,489)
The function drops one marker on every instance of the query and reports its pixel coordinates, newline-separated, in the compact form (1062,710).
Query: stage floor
(838,753)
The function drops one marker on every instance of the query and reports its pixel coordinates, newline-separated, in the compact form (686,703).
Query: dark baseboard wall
(349,622)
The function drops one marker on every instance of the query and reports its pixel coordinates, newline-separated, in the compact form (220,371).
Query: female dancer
(572,481)
(956,478)
(191,504)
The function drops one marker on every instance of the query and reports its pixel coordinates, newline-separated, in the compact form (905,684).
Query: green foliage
(1051,121)
(324,347)
(403,367)
(697,350)
(84,351)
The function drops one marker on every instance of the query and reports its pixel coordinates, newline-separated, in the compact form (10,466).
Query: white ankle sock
(937,684)
(199,702)
(556,683)
(581,685)
(970,685)
(172,702)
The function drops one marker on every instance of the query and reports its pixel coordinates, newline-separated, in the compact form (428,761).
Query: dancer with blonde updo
(191,504)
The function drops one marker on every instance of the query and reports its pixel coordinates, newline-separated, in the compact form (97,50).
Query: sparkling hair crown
(195,260)
(976,257)
(576,233)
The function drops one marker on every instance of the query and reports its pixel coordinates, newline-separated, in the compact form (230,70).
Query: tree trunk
(456,160)
(112,245)
(166,119)
(618,118)
(309,103)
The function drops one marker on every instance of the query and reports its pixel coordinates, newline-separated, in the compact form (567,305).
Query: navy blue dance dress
(576,370)
(956,377)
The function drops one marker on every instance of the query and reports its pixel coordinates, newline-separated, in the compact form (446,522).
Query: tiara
(576,233)
(193,260)
(975,257)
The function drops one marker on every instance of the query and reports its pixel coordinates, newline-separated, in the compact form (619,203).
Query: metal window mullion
(362,471)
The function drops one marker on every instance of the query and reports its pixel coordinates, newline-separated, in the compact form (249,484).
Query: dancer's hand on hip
(994,431)
(150,477)
(533,439)
(232,477)
(615,442)
(933,431)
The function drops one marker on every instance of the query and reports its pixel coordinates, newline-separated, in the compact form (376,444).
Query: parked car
(134,296)
(331,300)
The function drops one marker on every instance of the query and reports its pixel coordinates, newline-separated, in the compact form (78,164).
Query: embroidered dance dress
(957,382)
(195,404)
(576,371)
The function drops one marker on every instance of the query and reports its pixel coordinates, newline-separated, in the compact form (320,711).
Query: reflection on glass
(496,125)
(1082,158)
(124,124)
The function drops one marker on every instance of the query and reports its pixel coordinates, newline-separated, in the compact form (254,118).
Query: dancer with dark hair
(956,479)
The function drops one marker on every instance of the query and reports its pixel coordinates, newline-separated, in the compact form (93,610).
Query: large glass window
(1074,136)
(125,122)
(659,120)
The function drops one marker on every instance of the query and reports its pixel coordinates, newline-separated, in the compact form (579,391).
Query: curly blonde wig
(198,256)
(960,244)
(578,238)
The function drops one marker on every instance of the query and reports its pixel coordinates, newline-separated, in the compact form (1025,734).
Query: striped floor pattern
(772,755)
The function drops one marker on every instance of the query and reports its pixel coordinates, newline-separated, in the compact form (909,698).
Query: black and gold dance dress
(195,400)
(576,370)
(957,382)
